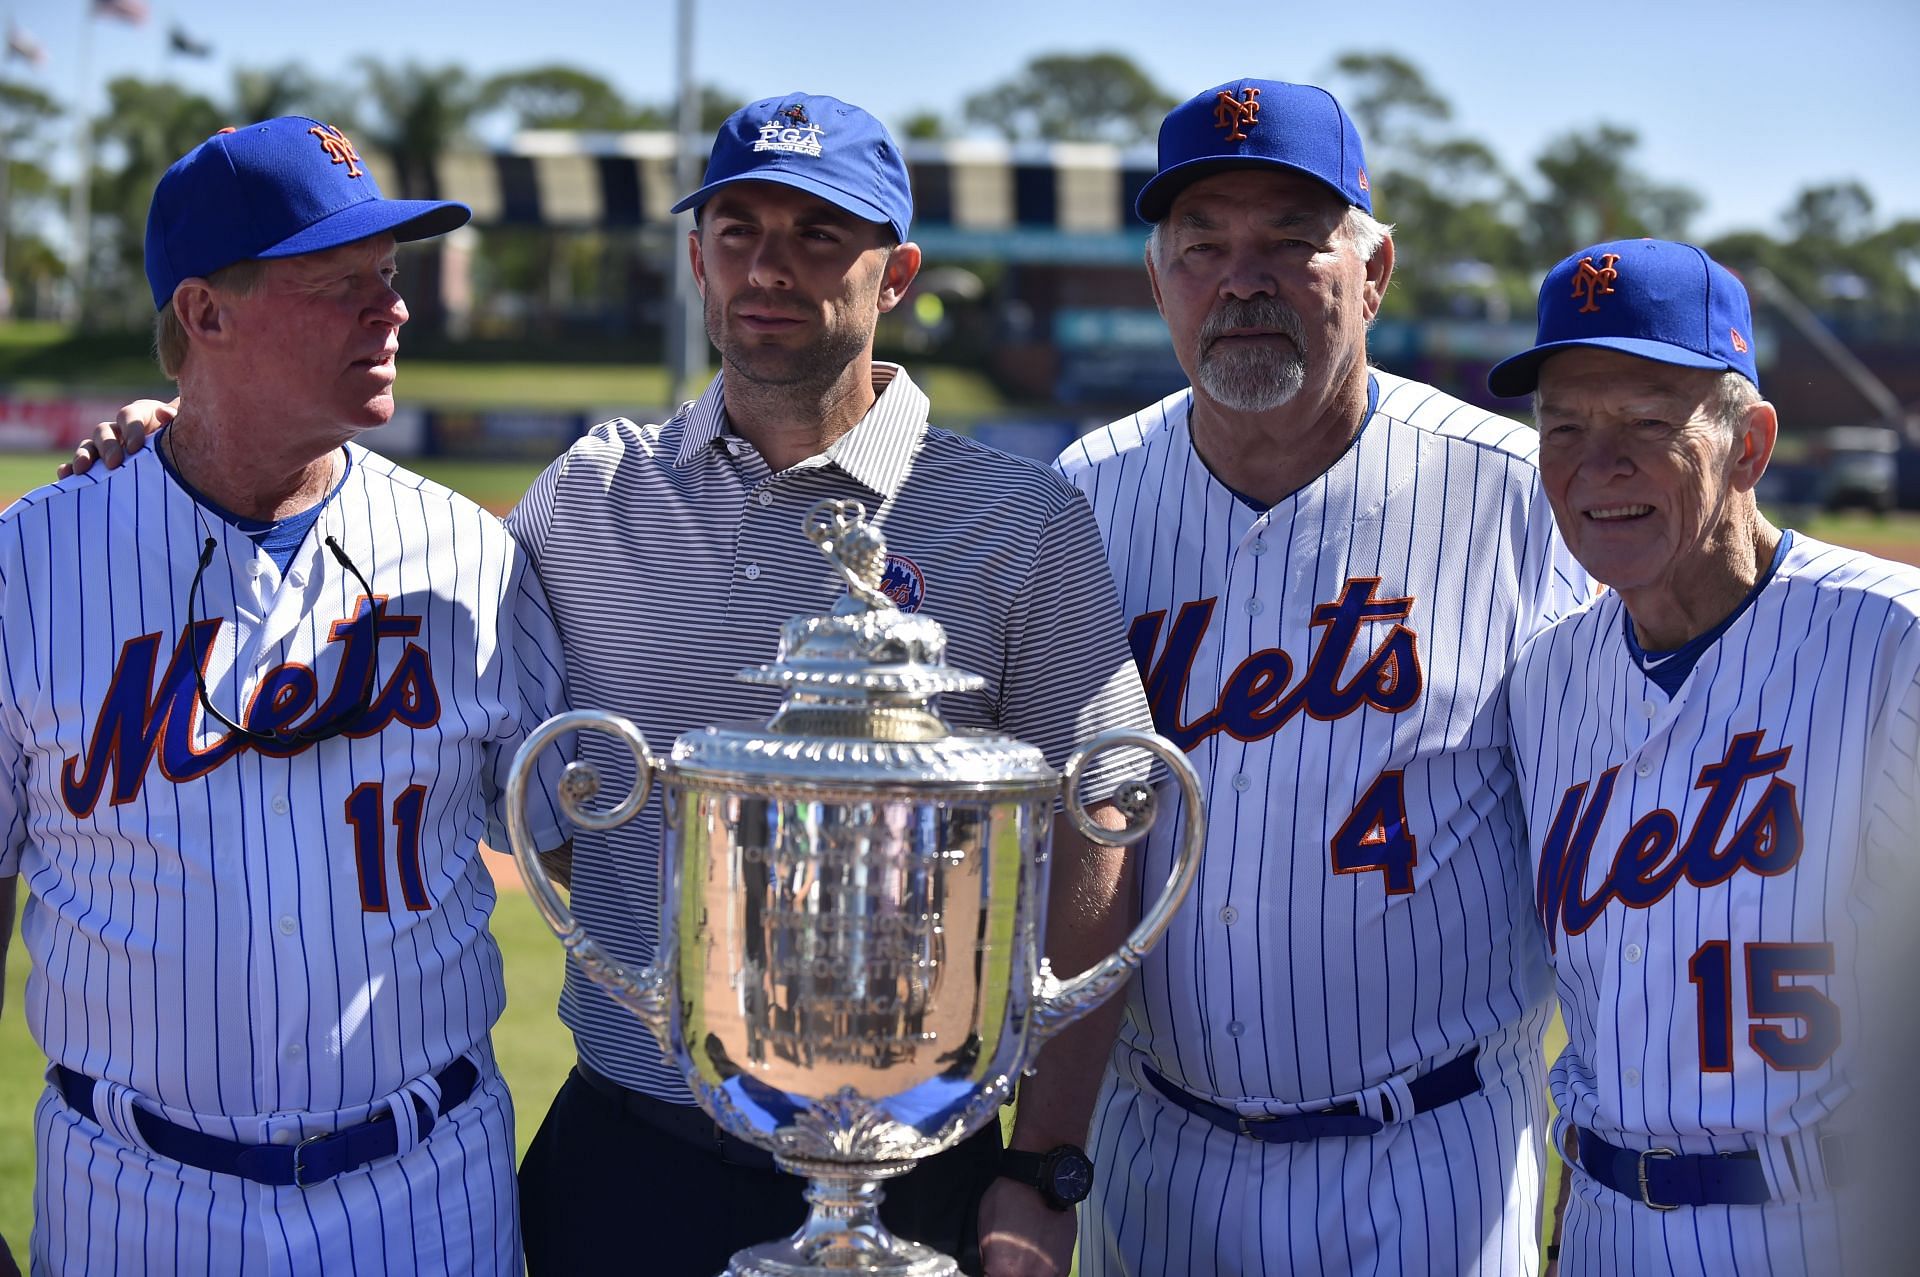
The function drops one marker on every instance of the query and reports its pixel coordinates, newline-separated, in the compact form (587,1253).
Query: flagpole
(6,194)
(80,205)
(686,320)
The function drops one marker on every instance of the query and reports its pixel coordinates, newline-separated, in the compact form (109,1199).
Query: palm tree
(417,114)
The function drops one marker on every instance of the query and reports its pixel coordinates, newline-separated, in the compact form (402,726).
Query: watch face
(1072,1177)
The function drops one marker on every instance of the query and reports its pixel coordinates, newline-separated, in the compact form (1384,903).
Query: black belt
(685,1122)
(1666,1180)
(1454,1080)
(314,1160)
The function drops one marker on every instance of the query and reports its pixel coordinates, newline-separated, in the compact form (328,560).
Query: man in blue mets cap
(248,796)
(1719,757)
(1332,1063)
(800,244)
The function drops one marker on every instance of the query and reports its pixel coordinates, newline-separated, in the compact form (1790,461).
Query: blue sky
(1745,101)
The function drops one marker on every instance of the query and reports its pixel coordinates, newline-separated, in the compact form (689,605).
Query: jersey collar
(877,453)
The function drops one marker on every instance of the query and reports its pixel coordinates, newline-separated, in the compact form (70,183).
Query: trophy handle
(643,992)
(1058,1003)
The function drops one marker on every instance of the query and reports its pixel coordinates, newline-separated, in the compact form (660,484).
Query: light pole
(686,323)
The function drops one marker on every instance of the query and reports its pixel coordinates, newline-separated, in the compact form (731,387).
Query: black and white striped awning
(1055,202)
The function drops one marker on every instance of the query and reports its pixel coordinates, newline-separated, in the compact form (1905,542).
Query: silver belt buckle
(300,1170)
(1646,1198)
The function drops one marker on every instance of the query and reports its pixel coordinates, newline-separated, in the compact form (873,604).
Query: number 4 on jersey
(1375,836)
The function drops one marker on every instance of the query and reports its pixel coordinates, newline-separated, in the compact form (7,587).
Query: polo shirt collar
(876,453)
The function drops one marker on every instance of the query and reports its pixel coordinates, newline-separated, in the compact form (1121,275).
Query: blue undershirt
(279,538)
(1667,670)
(1373,400)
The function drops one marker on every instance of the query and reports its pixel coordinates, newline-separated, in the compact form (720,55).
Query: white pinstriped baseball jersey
(254,941)
(1702,866)
(705,543)
(1334,666)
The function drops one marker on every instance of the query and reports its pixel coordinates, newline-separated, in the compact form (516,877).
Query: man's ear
(1379,272)
(903,263)
(1753,445)
(202,312)
(699,262)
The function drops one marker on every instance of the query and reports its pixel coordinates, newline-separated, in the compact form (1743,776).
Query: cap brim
(405,220)
(1519,376)
(1157,196)
(866,210)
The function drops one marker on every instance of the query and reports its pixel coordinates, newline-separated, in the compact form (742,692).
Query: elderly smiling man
(1719,763)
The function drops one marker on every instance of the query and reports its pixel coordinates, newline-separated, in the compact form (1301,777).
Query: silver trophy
(849,971)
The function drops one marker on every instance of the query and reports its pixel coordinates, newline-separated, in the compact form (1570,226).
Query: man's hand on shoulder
(1022,1236)
(112,441)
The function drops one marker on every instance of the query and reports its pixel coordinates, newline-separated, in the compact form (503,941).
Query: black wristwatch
(1063,1175)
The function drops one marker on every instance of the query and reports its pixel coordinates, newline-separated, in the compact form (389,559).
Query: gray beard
(1247,379)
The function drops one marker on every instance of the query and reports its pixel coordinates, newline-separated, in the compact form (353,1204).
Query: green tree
(1455,208)
(558,97)
(924,126)
(415,114)
(1594,192)
(716,104)
(25,116)
(1389,99)
(148,124)
(1067,97)
(261,93)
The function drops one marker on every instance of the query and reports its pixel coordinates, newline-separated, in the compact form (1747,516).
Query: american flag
(131,11)
(22,45)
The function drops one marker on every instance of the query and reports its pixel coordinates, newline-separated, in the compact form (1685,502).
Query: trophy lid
(861,683)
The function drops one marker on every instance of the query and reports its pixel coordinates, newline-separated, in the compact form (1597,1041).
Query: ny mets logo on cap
(903,583)
(1591,283)
(798,136)
(1236,115)
(337,147)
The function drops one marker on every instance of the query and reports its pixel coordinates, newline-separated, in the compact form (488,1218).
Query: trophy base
(784,1259)
(843,1233)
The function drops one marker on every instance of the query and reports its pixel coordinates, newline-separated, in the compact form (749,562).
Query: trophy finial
(854,547)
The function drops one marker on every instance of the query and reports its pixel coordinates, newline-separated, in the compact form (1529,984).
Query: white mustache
(1269,313)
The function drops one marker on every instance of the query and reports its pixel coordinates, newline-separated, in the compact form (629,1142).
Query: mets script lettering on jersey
(1647,865)
(1255,701)
(134,719)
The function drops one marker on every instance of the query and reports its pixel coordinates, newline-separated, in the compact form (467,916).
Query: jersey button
(1649,709)
(288,926)
(279,805)
(753,571)
(1631,1077)
(1243,782)
(765,498)
(1644,767)
(254,568)
(1633,953)
(1258,547)
(1255,607)
(1229,915)
(294,1051)
(1235,1028)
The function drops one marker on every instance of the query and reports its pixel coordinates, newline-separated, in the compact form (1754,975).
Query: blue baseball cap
(819,145)
(1256,124)
(1654,298)
(278,188)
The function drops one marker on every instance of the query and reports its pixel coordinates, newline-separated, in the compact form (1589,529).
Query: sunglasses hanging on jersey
(309,734)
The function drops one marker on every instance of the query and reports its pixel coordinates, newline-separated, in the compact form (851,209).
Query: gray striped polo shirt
(671,555)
